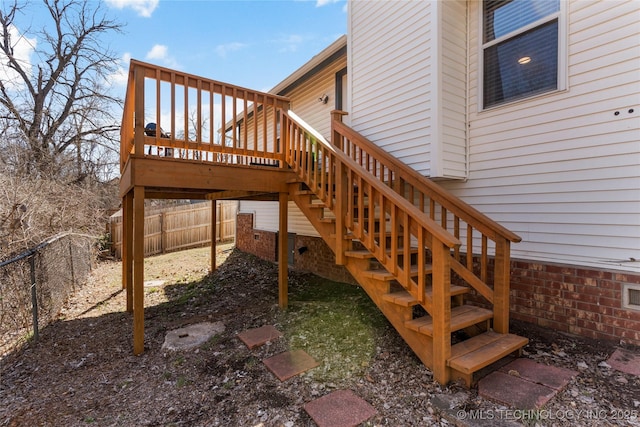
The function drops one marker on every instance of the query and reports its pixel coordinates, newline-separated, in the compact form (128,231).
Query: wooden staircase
(402,257)
(421,254)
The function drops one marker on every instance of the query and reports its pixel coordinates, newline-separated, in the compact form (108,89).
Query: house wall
(266,217)
(316,258)
(304,102)
(388,39)
(562,170)
(404,57)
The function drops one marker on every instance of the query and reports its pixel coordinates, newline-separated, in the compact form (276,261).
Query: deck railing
(198,119)
(482,237)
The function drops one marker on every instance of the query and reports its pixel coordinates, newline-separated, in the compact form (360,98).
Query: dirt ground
(82,370)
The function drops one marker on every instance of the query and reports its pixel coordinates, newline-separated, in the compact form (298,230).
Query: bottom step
(471,355)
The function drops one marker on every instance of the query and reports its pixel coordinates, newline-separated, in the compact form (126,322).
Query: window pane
(522,66)
(502,17)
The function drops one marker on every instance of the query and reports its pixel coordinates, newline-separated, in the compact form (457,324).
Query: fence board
(179,228)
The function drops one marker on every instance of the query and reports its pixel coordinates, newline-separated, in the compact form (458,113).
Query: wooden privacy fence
(184,227)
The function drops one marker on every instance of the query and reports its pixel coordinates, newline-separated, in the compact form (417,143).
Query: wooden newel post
(138,137)
(441,311)
(336,139)
(502,274)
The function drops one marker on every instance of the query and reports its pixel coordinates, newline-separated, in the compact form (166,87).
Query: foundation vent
(631,296)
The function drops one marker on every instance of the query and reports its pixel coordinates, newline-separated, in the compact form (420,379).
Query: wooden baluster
(382,235)
(422,276)
(484,260)
(456,232)
(469,247)
(372,218)
(394,238)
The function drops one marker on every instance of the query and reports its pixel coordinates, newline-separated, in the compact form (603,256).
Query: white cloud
(121,76)
(320,3)
(290,43)
(160,53)
(144,8)
(23,47)
(223,49)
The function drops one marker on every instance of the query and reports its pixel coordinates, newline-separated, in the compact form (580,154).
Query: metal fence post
(34,296)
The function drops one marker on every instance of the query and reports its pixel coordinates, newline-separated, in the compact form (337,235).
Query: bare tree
(58,108)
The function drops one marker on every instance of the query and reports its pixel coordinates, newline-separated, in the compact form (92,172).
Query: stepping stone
(625,361)
(525,384)
(514,391)
(191,336)
(550,376)
(290,363)
(341,408)
(258,336)
(153,283)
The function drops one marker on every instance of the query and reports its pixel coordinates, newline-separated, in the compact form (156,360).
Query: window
(520,49)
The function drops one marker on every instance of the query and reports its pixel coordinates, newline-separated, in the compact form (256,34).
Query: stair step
(383,274)
(402,298)
(317,206)
(303,192)
(364,254)
(405,299)
(330,220)
(471,355)
(461,317)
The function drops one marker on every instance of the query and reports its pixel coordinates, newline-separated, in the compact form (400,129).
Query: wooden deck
(402,237)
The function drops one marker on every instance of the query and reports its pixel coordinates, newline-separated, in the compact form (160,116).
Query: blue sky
(251,43)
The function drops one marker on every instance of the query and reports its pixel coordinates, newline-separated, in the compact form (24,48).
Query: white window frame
(561,16)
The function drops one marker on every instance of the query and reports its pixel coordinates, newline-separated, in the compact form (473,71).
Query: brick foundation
(256,242)
(317,258)
(572,299)
(576,300)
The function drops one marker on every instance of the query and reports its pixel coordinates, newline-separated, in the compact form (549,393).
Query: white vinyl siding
(407,101)
(304,98)
(266,217)
(453,108)
(392,39)
(563,170)
(304,102)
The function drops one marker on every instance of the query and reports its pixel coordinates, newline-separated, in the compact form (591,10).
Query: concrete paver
(342,408)
(290,363)
(259,336)
(625,361)
(524,384)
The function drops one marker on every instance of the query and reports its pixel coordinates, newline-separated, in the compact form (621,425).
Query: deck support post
(138,270)
(441,312)
(213,233)
(127,248)
(283,243)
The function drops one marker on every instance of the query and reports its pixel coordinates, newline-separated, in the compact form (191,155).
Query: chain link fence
(35,284)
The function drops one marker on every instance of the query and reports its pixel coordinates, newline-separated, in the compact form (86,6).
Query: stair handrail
(371,157)
(423,220)
(465,211)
